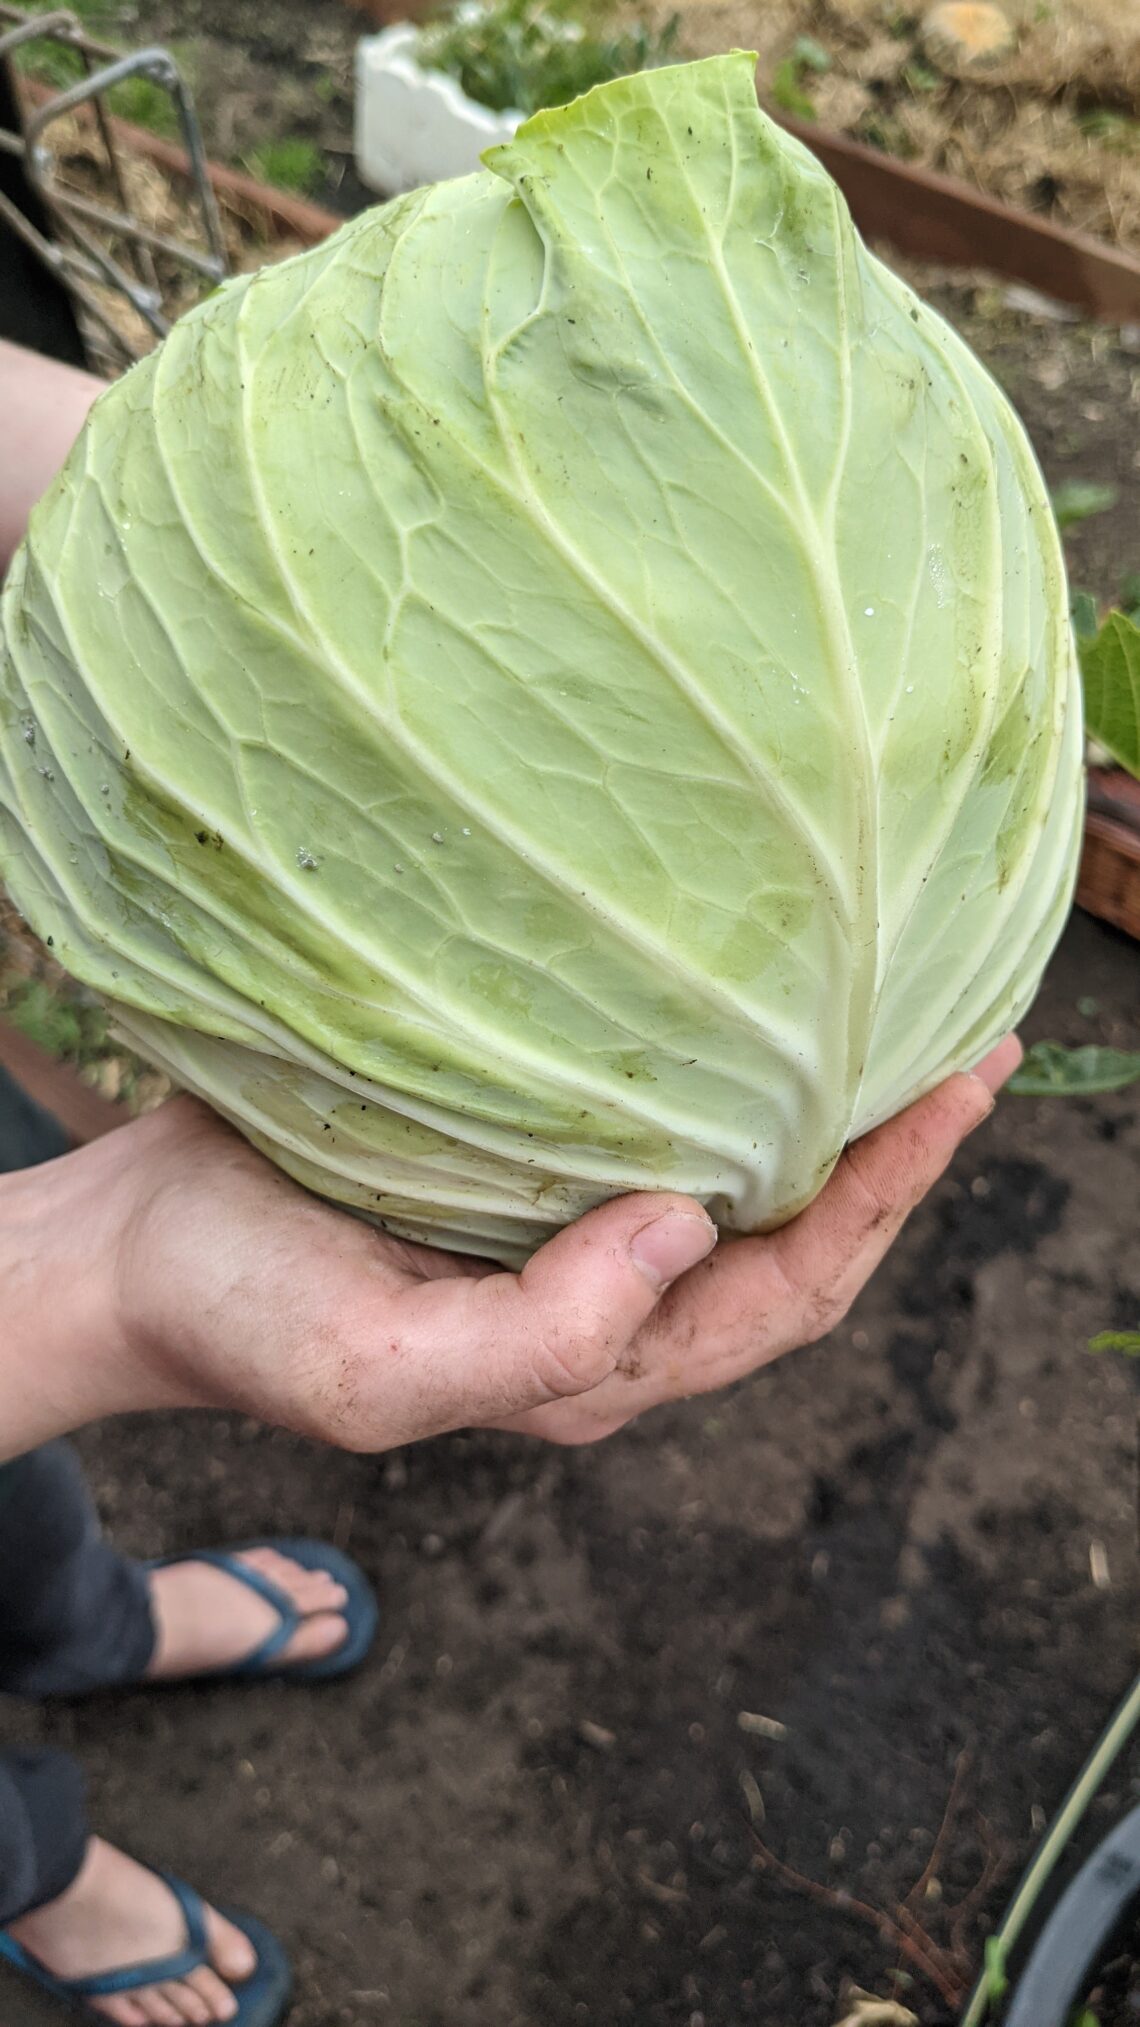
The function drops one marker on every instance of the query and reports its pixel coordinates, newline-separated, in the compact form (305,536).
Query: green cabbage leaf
(565,687)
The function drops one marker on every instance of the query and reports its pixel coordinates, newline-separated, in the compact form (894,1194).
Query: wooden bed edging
(934,217)
(918,212)
(1109,882)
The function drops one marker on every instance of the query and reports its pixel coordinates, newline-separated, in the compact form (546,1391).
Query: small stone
(960,35)
(760,1726)
(597,1735)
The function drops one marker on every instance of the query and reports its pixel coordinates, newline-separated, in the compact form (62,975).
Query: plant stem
(1108,1747)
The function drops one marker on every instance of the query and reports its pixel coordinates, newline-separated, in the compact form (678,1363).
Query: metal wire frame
(76,256)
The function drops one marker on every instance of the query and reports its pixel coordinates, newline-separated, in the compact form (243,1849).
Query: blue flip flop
(263,1999)
(359,1609)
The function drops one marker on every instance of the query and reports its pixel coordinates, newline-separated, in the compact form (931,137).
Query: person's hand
(185,1270)
(755,1299)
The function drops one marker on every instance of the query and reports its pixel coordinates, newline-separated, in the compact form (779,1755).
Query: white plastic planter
(415,126)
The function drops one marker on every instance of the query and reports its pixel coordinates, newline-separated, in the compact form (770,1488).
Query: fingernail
(674,1242)
(998,1067)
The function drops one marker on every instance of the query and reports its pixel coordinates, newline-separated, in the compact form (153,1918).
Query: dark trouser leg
(74,1613)
(43,1829)
(28,1135)
(56,1579)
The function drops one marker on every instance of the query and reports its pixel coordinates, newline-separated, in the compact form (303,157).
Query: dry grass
(1054,127)
(163,203)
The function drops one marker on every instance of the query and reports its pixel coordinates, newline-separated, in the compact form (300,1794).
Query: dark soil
(536,1804)
(1077,389)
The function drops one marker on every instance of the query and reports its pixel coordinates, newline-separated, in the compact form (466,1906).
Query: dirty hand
(176,1267)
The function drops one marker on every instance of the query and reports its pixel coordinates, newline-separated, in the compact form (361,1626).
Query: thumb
(568,1320)
(828,1252)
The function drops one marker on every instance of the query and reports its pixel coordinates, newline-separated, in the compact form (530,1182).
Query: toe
(158,2010)
(231,1953)
(310,1592)
(321,1590)
(316,1637)
(189,2007)
(303,1585)
(211,1992)
(265,1560)
(124,2010)
(318,1596)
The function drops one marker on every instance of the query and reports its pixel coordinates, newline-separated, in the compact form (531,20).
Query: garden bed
(1054,129)
(541,1802)
(897,1567)
(913,1542)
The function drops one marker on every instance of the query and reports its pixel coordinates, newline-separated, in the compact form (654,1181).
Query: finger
(833,1247)
(760,1297)
(482,1350)
(998,1067)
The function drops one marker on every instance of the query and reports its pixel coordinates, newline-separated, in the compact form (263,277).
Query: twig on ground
(925,1955)
(933,1866)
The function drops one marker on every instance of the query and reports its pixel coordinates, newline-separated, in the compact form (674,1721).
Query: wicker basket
(1109,883)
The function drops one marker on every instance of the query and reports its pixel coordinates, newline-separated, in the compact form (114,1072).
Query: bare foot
(117,1913)
(206,1619)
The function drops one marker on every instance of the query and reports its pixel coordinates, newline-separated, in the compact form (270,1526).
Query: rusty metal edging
(293,215)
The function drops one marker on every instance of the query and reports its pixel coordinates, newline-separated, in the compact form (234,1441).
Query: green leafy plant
(292,164)
(1078,500)
(919,77)
(527,617)
(1050,1071)
(808,57)
(53,62)
(49,62)
(1113,129)
(522,55)
(1110,669)
(1126,1341)
(996,1978)
(144,104)
(97,16)
(1110,666)
(65,1027)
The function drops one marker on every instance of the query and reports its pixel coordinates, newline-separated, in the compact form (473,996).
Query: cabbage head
(566,687)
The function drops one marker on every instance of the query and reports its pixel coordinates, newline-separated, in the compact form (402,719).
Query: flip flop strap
(134,1977)
(290,1618)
